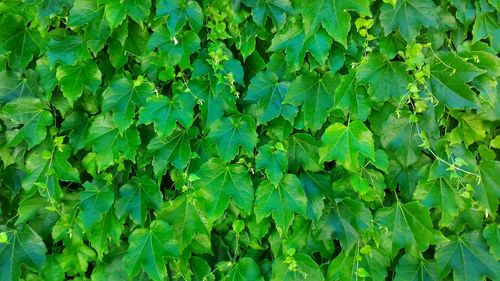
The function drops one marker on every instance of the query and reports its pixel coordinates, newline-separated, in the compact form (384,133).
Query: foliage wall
(249,140)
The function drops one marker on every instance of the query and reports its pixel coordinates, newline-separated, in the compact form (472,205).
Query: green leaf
(122,96)
(412,269)
(110,227)
(116,11)
(75,78)
(108,144)
(230,133)
(401,136)
(282,201)
(274,162)
(178,12)
(449,75)
(23,246)
(349,95)
(346,222)
(387,79)
(20,39)
(218,182)
(266,89)
(32,114)
(96,200)
(175,149)
(346,144)
(408,16)
(303,151)
(492,235)
(315,94)
(306,269)
(83,12)
(136,196)
(371,265)
(406,226)
(245,270)
(165,112)
(148,248)
(175,49)
(488,191)
(13,86)
(277,10)
(67,50)
(333,15)
(184,217)
(468,256)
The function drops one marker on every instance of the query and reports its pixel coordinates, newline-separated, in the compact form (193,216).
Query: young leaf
(148,248)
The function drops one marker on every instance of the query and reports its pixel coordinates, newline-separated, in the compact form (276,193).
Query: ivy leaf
(269,92)
(122,96)
(408,16)
(488,191)
(275,9)
(349,95)
(108,144)
(333,15)
(74,78)
(315,94)
(96,200)
(116,11)
(83,12)
(371,265)
(468,256)
(274,162)
(178,12)
(282,201)
(449,75)
(20,40)
(440,194)
(306,269)
(346,221)
(245,270)
(23,246)
(148,248)
(33,115)
(405,226)
(165,112)
(492,235)
(387,79)
(303,151)
(413,269)
(219,182)
(400,135)
(346,143)
(175,149)
(184,217)
(67,50)
(178,50)
(136,196)
(110,227)
(12,86)
(230,133)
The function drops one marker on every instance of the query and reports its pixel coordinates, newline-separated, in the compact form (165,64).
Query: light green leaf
(184,217)
(371,265)
(333,15)
(122,96)
(164,112)
(231,133)
(148,248)
(32,114)
(387,79)
(269,92)
(406,226)
(274,162)
(315,94)
(349,95)
(136,196)
(245,270)
(408,16)
(412,269)
(303,151)
(347,144)
(488,191)
(282,201)
(218,182)
(110,227)
(178,12)
(96,200)
(306,269)
(67,50)
(74,78)
(492,235)
(468,256)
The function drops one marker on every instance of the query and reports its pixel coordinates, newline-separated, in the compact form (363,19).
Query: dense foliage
(249,140)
